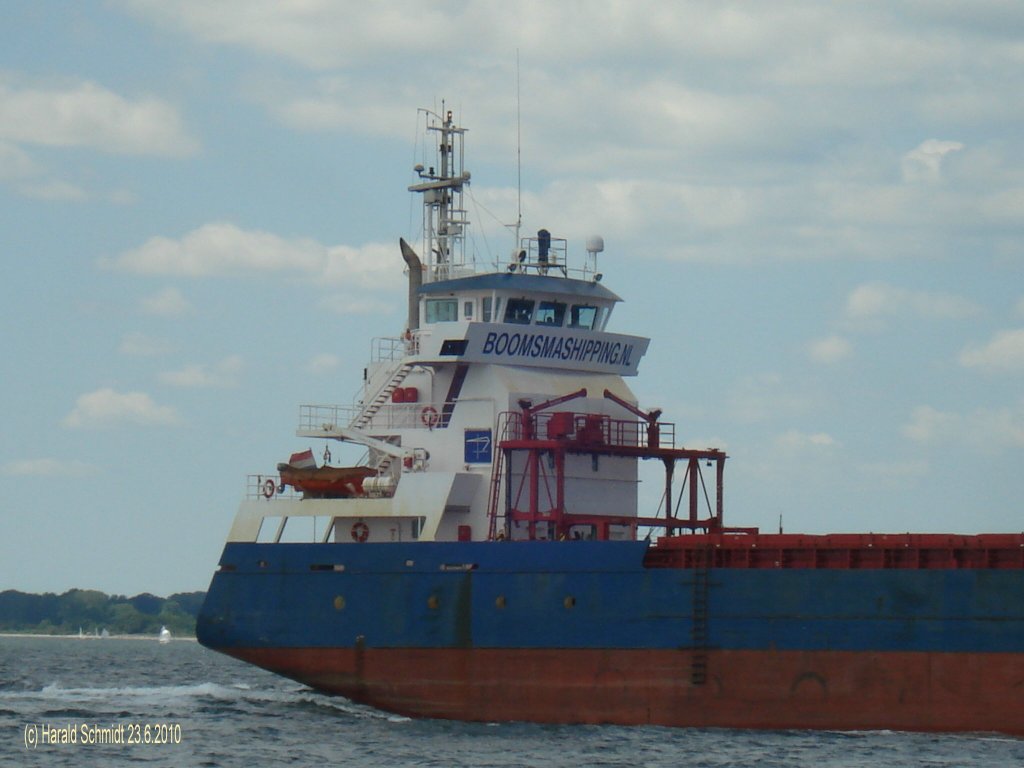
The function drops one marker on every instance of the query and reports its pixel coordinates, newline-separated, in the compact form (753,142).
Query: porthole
(500,602)
(433,602)
(569,602)
(339,603)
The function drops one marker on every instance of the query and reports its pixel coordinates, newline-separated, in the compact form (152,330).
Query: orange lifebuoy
(429,417)
(360,531)
(269,488)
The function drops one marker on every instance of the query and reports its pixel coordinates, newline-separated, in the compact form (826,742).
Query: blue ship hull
(442,595)
(427,628)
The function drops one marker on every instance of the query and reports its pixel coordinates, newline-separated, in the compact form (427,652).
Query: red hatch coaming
(913,551)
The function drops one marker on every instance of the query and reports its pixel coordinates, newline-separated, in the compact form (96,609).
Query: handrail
(268,487)
(595,428)
(390,416)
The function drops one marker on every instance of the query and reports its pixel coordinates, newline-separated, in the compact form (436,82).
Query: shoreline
(174,638)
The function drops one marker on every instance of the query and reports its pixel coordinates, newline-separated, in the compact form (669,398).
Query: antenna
(519,155)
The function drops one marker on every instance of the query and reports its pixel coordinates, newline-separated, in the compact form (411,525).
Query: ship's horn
(415,281)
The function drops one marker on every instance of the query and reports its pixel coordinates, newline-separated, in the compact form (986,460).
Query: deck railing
(594,429)
(268,487)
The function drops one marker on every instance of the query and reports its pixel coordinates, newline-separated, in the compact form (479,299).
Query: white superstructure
(488,359)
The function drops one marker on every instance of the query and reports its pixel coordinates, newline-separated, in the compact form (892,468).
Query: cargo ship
(487,557)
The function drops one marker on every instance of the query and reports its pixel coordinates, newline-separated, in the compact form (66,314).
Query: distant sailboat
(165,635)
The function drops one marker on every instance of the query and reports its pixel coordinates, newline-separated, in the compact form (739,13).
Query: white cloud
(374,265)
(168,302)
(324,35)
(224,249)
(108,408)
(138,344)
(220,248)
(15,163)
(325,363)
(854,52)
(349,304)
(872,299)
(986,429)
(122,197)
(87,115)
(897,469)
(830,350)
(1005,352)
(796,440)
(54,190)
(621,206)
(924,162)
(872,302)
(48,468)
(765,397)
(928,424)
(895,472)
(222,375)
(747,132)
(804,43)
(28,178)
(338,102)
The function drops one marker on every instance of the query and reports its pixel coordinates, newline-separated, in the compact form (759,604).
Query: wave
(170,695)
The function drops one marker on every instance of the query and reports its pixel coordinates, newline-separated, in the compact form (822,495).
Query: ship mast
(444,218)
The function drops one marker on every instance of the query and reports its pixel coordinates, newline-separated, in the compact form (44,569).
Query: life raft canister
(429,417)
(360,531)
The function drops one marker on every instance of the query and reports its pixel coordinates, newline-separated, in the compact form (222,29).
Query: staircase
(384,396)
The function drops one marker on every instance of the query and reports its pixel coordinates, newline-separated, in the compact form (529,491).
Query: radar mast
(444,217)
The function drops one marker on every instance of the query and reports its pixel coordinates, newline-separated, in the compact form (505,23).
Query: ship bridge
(525,320)
(520,299)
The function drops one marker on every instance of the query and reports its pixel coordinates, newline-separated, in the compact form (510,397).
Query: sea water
(71,701)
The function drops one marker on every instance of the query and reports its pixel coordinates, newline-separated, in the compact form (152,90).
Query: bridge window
(442,310)
(550,313)
(491,309)
(518,311)
(582,316)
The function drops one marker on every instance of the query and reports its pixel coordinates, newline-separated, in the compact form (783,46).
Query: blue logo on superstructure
(562,348)
(478,446)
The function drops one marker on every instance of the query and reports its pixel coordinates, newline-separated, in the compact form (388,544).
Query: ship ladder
(367,414)
(699,626)
(496,478)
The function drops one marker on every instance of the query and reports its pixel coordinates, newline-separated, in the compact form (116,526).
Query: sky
(814,210)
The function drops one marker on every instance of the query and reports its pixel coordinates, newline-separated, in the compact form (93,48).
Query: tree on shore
(93,611)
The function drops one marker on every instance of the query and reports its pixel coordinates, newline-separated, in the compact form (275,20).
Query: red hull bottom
(743,689)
